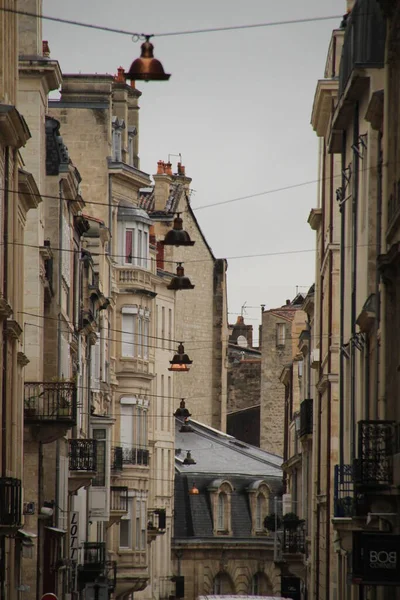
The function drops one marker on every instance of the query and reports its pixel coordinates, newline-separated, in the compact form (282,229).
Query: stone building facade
(201,314)
(244,384)
(277,340)
(19,194)
(220,545)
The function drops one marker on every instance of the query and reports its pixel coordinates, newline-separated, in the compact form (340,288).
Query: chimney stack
(162,184)
(350,4)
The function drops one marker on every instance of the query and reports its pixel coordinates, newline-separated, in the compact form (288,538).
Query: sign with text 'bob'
(376,558)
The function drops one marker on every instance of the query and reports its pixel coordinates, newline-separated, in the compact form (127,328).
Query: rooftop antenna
(243,309)
(177,155)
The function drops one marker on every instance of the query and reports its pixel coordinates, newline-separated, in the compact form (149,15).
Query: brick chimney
(162,184)
(350,4)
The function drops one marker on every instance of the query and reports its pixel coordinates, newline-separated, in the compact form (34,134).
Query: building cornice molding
(48,71)
(14,130)
(325,94)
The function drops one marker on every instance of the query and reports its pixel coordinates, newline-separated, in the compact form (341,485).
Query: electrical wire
(139,36)
(212,204)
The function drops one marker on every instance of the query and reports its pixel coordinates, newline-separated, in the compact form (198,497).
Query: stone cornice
(28,191)
(14,131)
(37,66)
(323,105)
(314,218)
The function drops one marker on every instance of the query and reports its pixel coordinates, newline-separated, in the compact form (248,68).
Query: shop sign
(376,558)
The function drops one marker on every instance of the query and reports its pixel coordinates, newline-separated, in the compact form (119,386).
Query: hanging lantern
(182,411)
(193,490)
(186,428)
(177,236)
(147,68)
(189,460)
(180,361)
(180,281)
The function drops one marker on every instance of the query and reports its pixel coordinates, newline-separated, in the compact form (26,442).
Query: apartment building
(19,194)
(355,499)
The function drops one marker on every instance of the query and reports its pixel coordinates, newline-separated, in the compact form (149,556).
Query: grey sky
(237,107)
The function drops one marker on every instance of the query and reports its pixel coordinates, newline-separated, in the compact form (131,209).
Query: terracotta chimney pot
(45,48)
(240,320)
(168,168)
(120,78)
(160,168)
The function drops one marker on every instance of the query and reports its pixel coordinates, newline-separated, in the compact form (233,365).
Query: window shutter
(128,334)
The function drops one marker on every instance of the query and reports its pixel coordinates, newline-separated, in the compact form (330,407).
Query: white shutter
(128,334)
(126,435)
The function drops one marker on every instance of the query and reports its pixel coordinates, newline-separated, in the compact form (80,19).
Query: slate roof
(219,456)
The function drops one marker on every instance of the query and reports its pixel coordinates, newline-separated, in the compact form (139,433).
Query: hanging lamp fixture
(180,281)
(182,411)
(194,490)
(147,68)
(177,236)
(180,361)
(189,460)
(185,427)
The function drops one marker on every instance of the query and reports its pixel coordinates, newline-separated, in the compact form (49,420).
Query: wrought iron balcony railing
(82,455)
(119,499)
(344,501)
(373,467)
(111,574)
(117,462)
(129,456)
(10,502)
(294,539)
(50,402)
(94,556)
(306,417)
(364,41)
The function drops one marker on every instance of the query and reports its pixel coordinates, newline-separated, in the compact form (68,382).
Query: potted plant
(272,522)
(291,520)
(30,407)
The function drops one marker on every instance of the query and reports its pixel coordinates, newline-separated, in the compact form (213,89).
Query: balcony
(82,456)
(306,417)
(94,563)
(123,456)
(118,503)
(10,503)
(156,523)
(50,403)
(376,444)
(294,539)
(364,40)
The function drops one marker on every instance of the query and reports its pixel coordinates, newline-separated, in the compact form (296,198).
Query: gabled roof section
(221,455)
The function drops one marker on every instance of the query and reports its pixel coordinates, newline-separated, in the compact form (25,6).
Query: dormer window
(259,504)
(221,492)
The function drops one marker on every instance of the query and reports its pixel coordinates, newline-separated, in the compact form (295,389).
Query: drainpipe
(341,323)
(329,399)
(378,278)
(59,341)
(5,369)
(320,325)
(5,295)
(355,162)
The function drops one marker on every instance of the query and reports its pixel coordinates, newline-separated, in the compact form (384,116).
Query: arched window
(222,584)
(260,585)
(221,511)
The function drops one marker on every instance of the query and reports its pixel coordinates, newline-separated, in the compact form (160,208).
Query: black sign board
(290,587)
(376,558)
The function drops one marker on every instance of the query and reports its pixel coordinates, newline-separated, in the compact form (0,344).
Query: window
(222,584)
(221,512)
(100,436)
(135,332)
(255,585)
(259,512)
(280,334)
(140,525)
(125,528)
(129,245)
(137,525)
(133,432)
